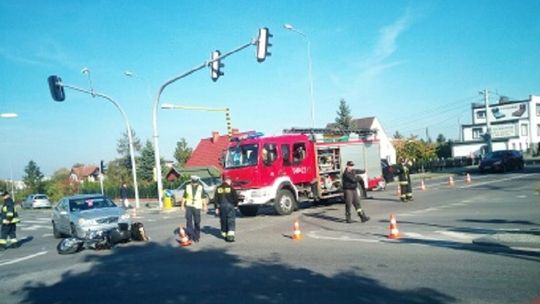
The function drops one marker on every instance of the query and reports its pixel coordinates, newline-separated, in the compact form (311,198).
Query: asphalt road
(467,243)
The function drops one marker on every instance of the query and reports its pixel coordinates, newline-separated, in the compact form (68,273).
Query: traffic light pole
(156,104)
(128,127)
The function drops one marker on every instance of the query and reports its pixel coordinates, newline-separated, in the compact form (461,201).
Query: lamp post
(293,29)
(55,82)
(227,111)
(8,116)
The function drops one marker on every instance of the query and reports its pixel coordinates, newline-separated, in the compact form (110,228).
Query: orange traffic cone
(297,235)
(394,232)
(422,185)
(450,181)
(184,240)
(468,178)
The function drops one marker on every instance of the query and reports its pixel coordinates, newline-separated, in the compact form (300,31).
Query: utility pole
(487,136)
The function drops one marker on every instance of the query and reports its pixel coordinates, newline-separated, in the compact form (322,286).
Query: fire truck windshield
(242,156)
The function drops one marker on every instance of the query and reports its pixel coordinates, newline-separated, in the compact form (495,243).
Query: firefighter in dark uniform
(403,169)
(350,191)
(9,219)
(226,200)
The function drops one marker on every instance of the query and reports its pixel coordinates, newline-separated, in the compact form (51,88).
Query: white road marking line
(498,180)
(340,238)
(521,196)
(34,227)
(458,235)
(46,235)
(23,258)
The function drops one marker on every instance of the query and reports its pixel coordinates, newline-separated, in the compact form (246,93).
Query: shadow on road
(163,274)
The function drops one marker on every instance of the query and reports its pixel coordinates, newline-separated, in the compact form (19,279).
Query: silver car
(36,201)
(78,215)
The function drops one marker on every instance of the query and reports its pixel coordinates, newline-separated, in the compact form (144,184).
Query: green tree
(397,135)
(146,163)
(182,152)
(122,145)
(59,185)
(344,118)
(33,178)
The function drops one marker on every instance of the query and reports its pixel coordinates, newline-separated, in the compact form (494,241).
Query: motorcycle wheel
(69,246)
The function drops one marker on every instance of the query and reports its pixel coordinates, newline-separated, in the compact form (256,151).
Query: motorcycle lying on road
(96,240)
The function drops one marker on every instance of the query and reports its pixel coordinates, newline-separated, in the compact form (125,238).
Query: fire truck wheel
(249,210)
(285,202)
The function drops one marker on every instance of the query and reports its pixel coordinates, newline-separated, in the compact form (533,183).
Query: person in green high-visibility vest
(194,200)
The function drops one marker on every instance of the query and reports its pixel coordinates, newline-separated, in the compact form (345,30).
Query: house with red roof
(84,173)
(205,158)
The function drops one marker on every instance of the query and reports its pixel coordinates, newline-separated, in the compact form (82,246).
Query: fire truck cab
(299,165)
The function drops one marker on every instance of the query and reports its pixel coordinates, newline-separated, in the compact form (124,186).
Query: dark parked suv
(502,161)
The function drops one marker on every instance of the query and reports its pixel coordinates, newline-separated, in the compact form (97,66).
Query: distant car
(209,185)
(502,161)
(78,215)
(36,201)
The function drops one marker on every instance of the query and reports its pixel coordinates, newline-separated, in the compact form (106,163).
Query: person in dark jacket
(124,195)
(350,191)
(403,170)
(9,219)
(226,200)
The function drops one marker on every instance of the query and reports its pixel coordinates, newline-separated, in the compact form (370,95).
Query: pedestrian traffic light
(263,44)
(102,167)
(56,87)
(216,65)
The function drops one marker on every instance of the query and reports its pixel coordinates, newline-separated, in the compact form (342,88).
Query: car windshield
(241,156)
(40,197)
(83,204)
(495,155)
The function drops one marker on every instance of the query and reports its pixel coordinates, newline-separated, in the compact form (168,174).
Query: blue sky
(413,64)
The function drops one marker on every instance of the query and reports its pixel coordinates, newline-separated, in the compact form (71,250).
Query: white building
(514,124)
(388,151)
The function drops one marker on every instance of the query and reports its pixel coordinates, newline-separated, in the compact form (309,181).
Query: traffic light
(216,65)
(263,44)
(102,167)
(56,87)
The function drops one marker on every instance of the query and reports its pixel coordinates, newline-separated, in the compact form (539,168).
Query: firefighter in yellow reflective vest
(194,200)
(403,169)
(226,200)
(9,219)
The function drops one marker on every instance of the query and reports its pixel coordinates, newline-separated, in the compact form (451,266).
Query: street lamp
(56,84)
(293,29)
(227,111)
(8,115)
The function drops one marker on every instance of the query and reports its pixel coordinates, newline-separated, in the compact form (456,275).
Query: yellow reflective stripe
(13,240)
(9,214)
(2,242)
(4,209)
(230,233)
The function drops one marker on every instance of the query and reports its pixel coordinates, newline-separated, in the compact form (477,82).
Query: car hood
(101,212)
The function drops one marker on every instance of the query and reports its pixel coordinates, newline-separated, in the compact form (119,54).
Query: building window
(476,133)
(524,130)
(537,130)
(538,109)
(481,114)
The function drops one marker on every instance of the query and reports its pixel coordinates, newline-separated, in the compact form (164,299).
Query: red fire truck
(301,164)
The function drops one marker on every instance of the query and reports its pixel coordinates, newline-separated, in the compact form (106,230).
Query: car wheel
(250,210)
(285,202)
(56,233)
(73,230)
